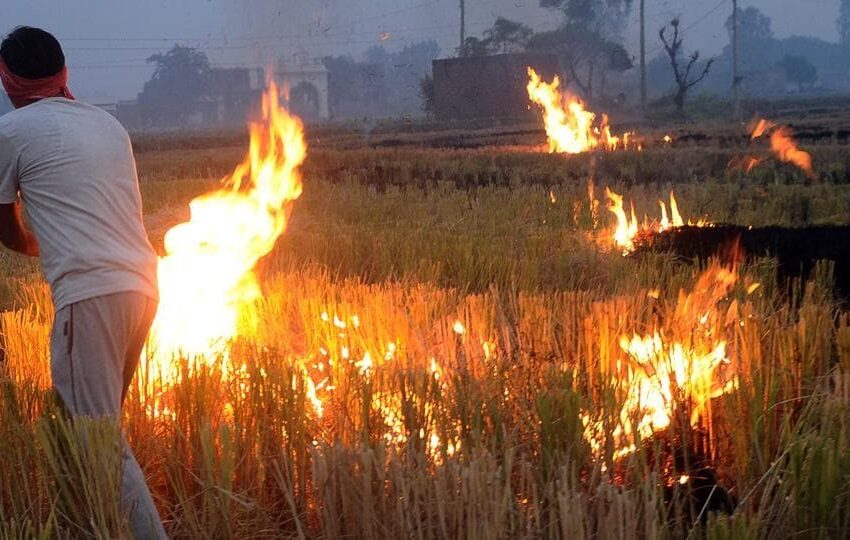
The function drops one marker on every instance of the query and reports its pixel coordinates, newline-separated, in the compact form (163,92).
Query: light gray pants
(94,350)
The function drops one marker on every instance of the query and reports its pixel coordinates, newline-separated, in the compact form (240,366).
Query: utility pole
(643,55)
(462,27)
(736,79)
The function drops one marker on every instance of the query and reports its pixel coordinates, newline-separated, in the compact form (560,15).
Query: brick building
(487,86)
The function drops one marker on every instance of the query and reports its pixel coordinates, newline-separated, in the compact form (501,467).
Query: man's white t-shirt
(73,166)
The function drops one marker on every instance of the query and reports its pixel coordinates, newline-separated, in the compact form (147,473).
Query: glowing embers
(571,128)
(351,375)
(206,278)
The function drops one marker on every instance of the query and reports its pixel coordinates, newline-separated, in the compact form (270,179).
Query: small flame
(627,228)
(569,126)
(783,145)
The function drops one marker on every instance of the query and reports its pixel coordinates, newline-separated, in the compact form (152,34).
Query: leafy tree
(179,82)
(473,47)
(588,42)
(800,70)
(605,17)
(506,36)
(386,84)
(355,88)
(753,26)
(585,53)
(681,70)
(843,22)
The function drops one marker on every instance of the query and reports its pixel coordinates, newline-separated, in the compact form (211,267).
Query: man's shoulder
(26,120)
(11,119)
(22,118)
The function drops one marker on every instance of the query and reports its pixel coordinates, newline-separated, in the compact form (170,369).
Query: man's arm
(14,234)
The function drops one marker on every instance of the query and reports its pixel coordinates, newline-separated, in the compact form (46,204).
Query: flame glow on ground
(570,127)
(206,278)
(677,369)
(208,285)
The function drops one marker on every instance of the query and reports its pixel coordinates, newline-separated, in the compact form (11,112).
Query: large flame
(570,127)
(628,228)
(783,145)
(206,278)
(679,368)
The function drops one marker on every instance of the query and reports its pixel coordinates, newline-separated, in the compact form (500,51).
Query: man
(70,167)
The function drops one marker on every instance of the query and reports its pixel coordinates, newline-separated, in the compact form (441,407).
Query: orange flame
(627,228)
(662,374)
(569,126)
(206,279)
(783,145)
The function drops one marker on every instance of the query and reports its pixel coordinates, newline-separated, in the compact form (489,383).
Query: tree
(180,81)
(473,47)
(386,84)
(799,70)
(605,17)
(585,53)
(681,71)
(355,89)
(843,22)
(753,26)
(506,36)
(589,40)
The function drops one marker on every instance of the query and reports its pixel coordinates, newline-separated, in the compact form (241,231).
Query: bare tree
(684,82)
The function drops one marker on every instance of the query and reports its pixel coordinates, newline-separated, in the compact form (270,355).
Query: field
(440,325)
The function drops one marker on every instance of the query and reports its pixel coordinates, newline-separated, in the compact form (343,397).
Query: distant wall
(487,86)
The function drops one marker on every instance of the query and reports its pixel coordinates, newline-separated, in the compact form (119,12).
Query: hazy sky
(107,41)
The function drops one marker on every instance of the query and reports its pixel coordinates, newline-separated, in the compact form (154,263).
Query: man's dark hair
(32,53)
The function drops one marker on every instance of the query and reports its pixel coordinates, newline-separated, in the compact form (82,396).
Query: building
(233,95)
(487,86)
(305,87)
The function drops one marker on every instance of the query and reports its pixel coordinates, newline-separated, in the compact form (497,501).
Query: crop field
(448,344)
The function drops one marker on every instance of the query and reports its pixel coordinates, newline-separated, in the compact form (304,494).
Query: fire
(628,228)
(783,145)
(679,368)
(206,278)
(570,127)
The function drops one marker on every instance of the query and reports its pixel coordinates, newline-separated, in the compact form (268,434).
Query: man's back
(78,183)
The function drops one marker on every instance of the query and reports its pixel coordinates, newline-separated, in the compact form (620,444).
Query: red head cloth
(23,90)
